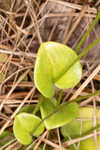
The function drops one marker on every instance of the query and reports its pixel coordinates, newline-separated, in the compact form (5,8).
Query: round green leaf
(64,115)
(88,144)
(78,128)
(25,125)
(83,125)
(52,67)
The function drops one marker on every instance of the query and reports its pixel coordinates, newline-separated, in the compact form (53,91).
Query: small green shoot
(88,31)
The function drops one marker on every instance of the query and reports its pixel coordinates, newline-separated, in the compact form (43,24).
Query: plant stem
(59,97)
(88,31)
(38,105)
(87,96)
(85,51)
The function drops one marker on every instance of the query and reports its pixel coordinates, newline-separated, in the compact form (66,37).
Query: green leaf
(65,114)
(52,67)
(88,144)
(78,127)
(25,125)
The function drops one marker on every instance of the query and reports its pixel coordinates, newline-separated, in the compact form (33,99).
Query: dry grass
(24,25)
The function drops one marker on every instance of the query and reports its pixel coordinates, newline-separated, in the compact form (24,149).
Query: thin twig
(13,87)
(18,53)
(41,139)
(76,23)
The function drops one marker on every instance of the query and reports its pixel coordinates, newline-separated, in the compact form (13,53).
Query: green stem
(37,106)
(86,50)
(87,96)
(59,97)
(88,31)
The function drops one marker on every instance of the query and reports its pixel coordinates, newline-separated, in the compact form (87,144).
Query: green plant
(52,67)
(82,126)
(59,65)
(56,65)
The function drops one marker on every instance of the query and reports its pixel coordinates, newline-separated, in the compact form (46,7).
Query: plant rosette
(54,66)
